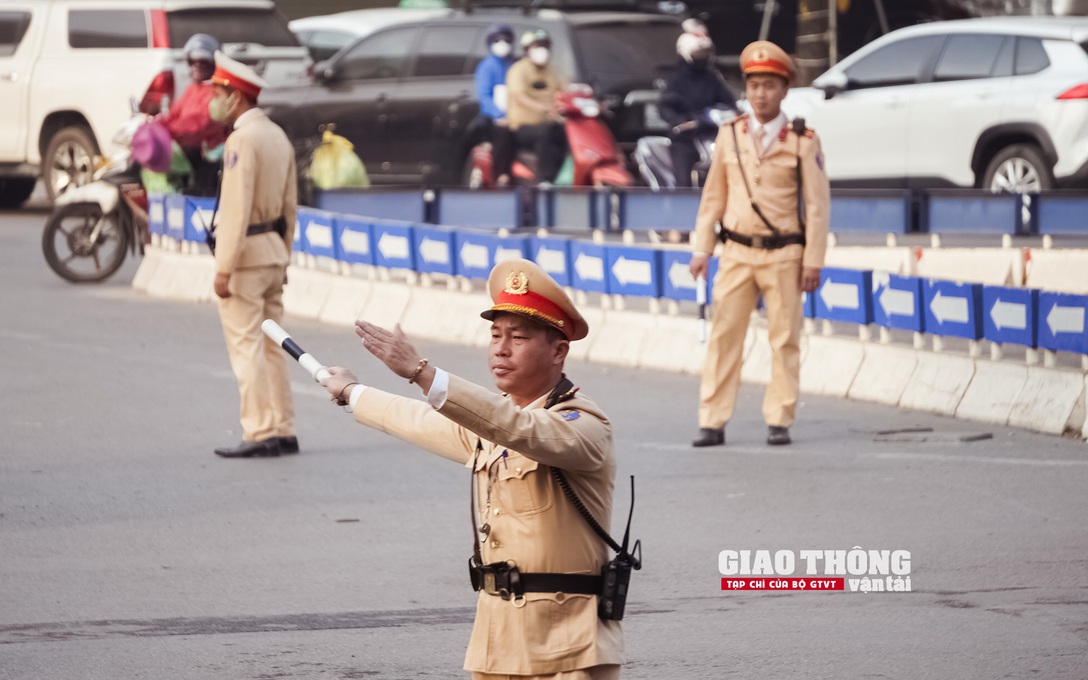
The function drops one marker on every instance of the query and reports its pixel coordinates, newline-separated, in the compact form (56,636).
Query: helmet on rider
(500,40)
(695,48)
(538,46)
(200,53)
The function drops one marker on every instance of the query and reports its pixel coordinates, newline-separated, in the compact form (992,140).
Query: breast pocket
(523,486)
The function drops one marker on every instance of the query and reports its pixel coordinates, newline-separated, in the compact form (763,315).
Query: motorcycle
(653,156)
(593,150)
(94,226)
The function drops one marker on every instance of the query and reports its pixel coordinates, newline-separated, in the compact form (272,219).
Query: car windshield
(233,25)
(619,57)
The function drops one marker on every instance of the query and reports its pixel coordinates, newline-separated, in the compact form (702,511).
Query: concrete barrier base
(993,392)
(830,366)
(1043,399)
(1051,401)
(938,383)
(345,301)
(883,374)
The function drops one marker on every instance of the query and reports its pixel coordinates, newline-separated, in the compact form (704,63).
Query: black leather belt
(505,581)
(762,242)
(278,225)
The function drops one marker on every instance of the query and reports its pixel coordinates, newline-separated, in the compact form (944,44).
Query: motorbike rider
(692,88)
(491,93)
(532,113)
(188,121)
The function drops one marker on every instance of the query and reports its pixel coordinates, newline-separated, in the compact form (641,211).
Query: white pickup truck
(68,69)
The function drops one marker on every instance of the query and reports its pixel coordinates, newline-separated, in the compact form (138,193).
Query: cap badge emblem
(517,283)
(760,55)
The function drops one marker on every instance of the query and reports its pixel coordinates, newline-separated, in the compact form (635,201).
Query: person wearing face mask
(531,86)
(188,121)
(491,93)
(257,205)
(692,88)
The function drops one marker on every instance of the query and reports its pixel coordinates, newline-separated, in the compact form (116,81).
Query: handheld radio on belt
(504,580)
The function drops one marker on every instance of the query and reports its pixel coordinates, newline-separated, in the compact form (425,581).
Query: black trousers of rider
(549,142)
(684,158)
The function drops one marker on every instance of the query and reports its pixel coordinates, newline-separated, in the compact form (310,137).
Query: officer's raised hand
(393,349)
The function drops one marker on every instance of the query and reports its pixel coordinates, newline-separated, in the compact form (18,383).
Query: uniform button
(494,543)
(559,597)
(517,470)
(497,511)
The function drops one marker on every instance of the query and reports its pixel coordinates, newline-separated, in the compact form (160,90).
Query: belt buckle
(757,241)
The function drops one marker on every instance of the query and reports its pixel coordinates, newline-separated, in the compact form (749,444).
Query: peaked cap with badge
(232,73)
(764,56)
(521,287)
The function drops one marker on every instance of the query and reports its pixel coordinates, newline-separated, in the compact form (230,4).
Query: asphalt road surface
(128,550)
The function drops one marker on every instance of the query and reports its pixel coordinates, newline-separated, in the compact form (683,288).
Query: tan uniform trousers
(610,672)
(258,364)
(736,288)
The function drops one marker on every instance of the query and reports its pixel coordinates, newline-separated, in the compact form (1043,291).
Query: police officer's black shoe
(710,436)
(264,448)
(288,444)
(778,435)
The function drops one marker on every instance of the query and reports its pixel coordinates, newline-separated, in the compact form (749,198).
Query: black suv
(405,94)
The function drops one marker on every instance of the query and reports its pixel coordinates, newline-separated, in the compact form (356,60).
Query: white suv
(69,67)
(999,103)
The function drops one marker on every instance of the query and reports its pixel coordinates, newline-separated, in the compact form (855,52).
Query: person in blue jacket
(491,93)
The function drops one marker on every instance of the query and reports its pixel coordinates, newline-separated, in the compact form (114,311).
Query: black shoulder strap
(748,189)
(799,131)
(565,391)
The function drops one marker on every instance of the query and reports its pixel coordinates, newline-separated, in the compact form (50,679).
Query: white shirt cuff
(440,387)
(356,392)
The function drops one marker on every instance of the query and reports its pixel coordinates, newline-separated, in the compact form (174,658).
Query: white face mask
(539,55)
(501,49)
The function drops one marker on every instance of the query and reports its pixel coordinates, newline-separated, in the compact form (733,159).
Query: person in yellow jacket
(510,443)
(768,191)
(254,233)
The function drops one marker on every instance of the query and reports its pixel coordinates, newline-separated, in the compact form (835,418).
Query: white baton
(274,331)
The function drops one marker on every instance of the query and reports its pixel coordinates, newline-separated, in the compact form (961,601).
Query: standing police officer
(537,561)
(254,234)
(768,191)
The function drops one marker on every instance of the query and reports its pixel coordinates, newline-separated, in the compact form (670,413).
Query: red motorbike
(598,161)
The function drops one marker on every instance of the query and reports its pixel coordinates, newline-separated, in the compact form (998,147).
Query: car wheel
(69,160)
(15,190)
(1019,169)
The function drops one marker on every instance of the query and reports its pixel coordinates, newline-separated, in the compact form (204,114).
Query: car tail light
(161,86)
(1078,92)
(160,36)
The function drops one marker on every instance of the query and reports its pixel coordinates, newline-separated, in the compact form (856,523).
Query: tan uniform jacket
(532,521)
(522,79)
(259,185)
(772,178)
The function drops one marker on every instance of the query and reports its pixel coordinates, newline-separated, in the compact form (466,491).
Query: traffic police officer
(511,443)
(768,191)
(254,233)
